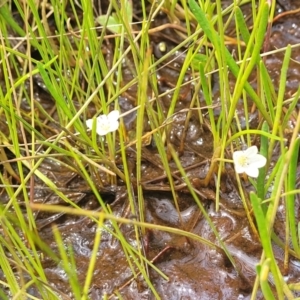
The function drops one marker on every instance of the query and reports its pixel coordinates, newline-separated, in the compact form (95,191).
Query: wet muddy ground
(195,270)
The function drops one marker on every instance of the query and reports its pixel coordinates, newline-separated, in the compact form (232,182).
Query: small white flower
(248,161)
(105,123)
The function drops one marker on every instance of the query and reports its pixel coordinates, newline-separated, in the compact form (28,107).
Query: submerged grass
(71,65)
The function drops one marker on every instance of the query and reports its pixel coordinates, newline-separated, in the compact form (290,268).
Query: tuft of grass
(73,68)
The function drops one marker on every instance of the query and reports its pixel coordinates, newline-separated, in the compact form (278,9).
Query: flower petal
(237,158)
(101,131)
(251,151)
(236,155)
(248,161)
(114,126)
(105,123)
(252,172)
(102,120)
(113,115)
(239,168)
(258,161)
(89,123)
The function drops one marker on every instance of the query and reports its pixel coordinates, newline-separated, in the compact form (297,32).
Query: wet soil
(195,270)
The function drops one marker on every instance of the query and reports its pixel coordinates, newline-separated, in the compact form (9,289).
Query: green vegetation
(69,51)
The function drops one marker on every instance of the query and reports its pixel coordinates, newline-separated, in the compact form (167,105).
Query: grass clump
(86,61)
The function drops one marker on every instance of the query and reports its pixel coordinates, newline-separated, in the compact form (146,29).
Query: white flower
(105,123)
(248,161)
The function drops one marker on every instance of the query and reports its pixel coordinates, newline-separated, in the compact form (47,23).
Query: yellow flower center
(243,161)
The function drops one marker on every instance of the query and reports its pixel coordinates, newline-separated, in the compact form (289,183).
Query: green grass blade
(7,17)
(263,273)
(242,26)
(208,101)
(291,110)
(212,35)
(268,89)
(265,239)
(262,171)
(68,264)
(279,102)
(290,199)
